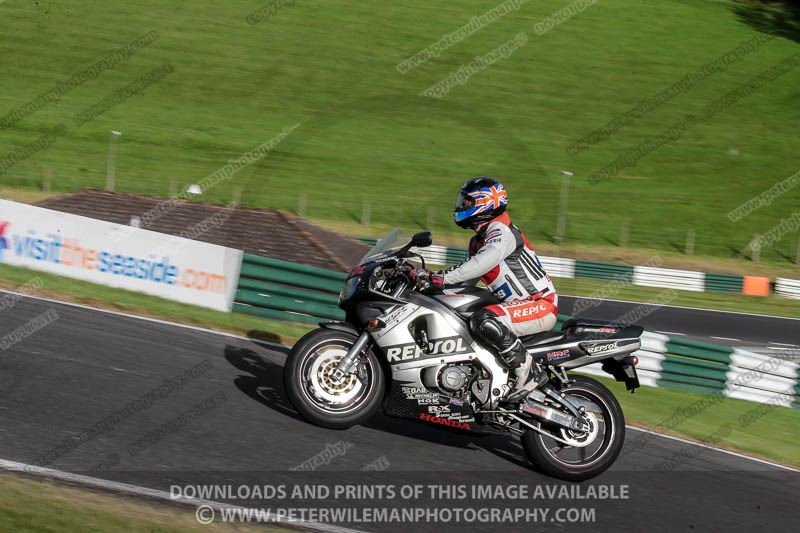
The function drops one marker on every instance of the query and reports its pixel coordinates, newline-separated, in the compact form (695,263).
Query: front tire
(584,460)
(312,390)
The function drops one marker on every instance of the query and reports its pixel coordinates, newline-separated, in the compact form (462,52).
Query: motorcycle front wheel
(587,454)
(317,395)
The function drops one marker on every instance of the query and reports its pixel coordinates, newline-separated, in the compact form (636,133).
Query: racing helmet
(479,200)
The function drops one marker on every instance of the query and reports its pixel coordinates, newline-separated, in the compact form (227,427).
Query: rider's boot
(529,374)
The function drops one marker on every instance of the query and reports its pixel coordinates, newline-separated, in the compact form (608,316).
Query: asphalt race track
(716,327)
(73,373)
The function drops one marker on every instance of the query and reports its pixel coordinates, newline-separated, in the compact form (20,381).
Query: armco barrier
(272,288)
(724,283)
(788,288)
(278,289)
(603,271)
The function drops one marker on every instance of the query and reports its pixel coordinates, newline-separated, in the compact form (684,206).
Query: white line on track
(789,351)
(722,450)
(670,333)
(135,490)
(214,332)
(725,338)
(783,344)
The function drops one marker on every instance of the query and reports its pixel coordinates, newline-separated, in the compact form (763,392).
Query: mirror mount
(419,240)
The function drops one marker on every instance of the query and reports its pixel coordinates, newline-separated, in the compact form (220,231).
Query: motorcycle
(413,355)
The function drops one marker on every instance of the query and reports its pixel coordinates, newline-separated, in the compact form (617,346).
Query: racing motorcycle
(412,354)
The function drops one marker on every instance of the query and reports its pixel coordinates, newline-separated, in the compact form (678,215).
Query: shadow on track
(264,384)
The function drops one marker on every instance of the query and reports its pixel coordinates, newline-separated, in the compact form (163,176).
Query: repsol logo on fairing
(445,346)
(599,348)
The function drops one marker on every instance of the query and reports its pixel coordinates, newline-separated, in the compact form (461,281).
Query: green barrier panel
(700,350)
(283,297)
(698,353)
(700,344)
(455,255)
(295,304)
(694,361)
(287,277)
(603,271)
(291,292)
(294,267)
(724,283)
(685,368)
(710,385)
(274,314)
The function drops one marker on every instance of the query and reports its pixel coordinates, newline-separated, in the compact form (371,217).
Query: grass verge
(42,506)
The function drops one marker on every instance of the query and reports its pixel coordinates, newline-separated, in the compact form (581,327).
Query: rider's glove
(425,280)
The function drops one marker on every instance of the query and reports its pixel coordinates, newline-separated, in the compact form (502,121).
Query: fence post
(302,204)
(690,234)
(365,212)
(562,206)
(756,247)
(797,258)
(48,178)
(112,160)
(431,218)
(623,235)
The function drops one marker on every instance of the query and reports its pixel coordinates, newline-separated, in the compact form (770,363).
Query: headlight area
(349,289)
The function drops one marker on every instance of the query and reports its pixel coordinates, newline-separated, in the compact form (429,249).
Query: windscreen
(394,240)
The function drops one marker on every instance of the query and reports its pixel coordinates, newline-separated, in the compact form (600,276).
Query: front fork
(349,361)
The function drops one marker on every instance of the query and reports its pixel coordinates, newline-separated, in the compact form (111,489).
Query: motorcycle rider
(501,256)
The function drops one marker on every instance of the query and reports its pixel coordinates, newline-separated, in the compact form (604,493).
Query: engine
(447,378)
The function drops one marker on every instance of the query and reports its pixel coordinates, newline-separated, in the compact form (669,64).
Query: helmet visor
(464,202)
(464,208)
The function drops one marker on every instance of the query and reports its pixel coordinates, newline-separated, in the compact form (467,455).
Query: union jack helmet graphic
(479,200)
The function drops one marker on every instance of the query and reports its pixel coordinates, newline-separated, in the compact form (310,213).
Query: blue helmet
(479,200)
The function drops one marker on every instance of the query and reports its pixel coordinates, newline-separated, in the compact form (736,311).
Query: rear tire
(540,449)
(317,396)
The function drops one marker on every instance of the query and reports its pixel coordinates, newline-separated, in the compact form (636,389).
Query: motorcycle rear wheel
(317,396)
(579,462)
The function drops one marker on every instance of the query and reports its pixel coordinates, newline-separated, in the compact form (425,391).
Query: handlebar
(397,276)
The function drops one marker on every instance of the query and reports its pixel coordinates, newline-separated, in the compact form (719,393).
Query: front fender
(341,326)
